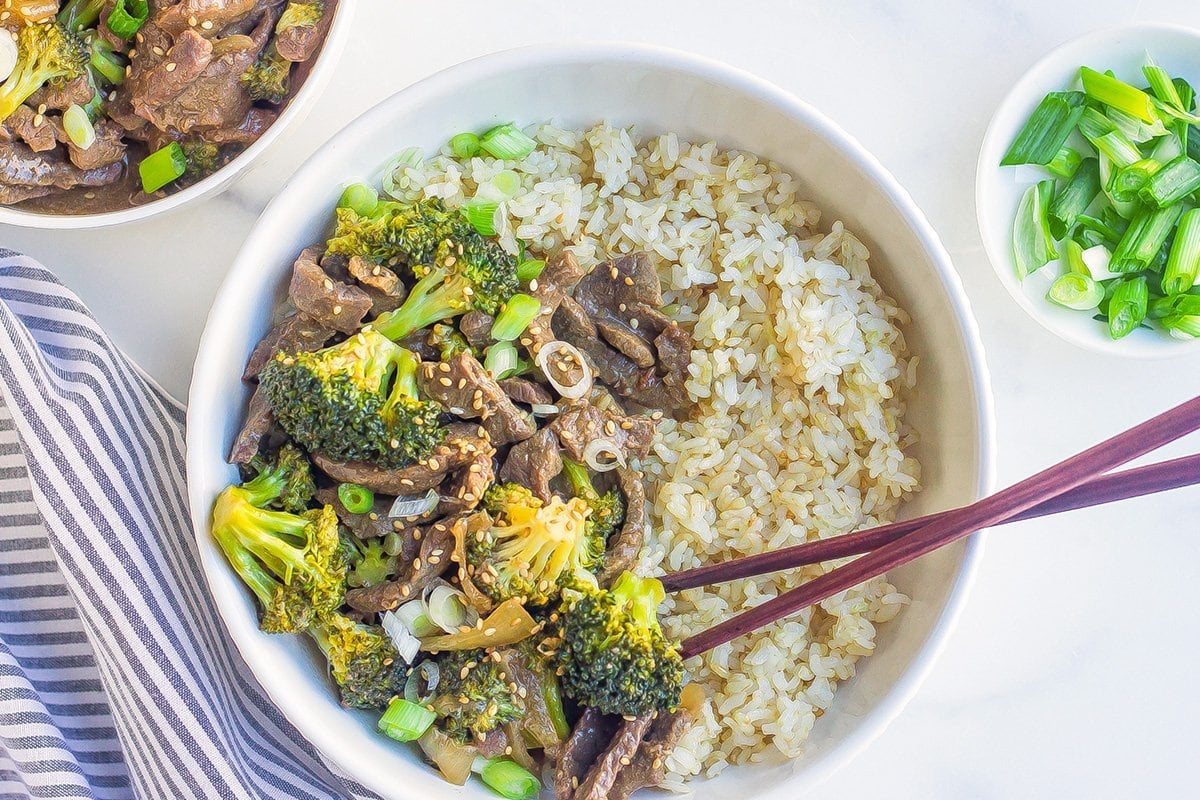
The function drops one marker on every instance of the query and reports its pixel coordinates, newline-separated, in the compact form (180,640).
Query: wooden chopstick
(1110,488)
(1022,496)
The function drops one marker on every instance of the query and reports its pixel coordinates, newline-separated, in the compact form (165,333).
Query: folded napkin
(117,679)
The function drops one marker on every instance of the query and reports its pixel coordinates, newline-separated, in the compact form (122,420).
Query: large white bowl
(320,69)
(658,90)
(998,189)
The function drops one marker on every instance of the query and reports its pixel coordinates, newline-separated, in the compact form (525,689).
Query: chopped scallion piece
(507,778)
(1133,128)
(1128,181)
(514,318)
(1032,242)
(1075,197)
(1172,183)
(128,17)
(357,499)
(1117,94)
(78,126)
(1119,150)
(501,360)
(1125,209)
(1074,258)
(406,721)
(161,167)
(1046,130)
(360,198)
(482,216)
(1162,86)
(1076,292)
(1143,239)
(507,142)
(1183,264)
(464,145)
(506,183)
(530,269)
(1127,306)
(1065,163)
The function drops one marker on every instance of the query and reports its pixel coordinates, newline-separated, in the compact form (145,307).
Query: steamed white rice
(799,375)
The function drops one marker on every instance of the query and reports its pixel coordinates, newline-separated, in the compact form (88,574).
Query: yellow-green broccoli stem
(46,53)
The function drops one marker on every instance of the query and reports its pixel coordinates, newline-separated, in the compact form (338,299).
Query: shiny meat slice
(154,80)
(624,546)
(11,195)
(462,445)
(582,423)
(533,463)
(526,391)
(383,286)
(194,14)
(374,524)
(60,96)
(476,326)
(674,346)
(536,722)
(299,44)
(493,744)
(295,333)
(259,421)
(21,168)
(602,775)
(108,148)
(559,277)
(464,387)
(214,98)
(627,342)
(32,128)
(338,305)
(245,132)
(464,490)
(587,741)
(436,544)
(648,766)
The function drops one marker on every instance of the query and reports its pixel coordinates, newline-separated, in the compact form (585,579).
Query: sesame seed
(628,718)
(522,692)
(489,632)
(614,273)
(328,285)
(207,25)
(508,750)
(444,367)
(397,525)
(610,428)
(533,284)
(5,15)
(628,281)
(394,443)
(377,270)
(462,382)
(433,464)
(450,261)
(406,481)
(193,21)
(626,425)
(656,763)
(633,323)
(41,109)
(38,119)
(171,66)
(416,565)
(405,590)
(434,560)
(158,51)
(463,673)
(445,382)
(621,306)
(625,762)
(337,310)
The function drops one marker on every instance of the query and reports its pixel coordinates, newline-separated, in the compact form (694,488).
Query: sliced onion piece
(544,409)
(407,645)
(414,505)
(422,684)
(560,350)
(601,447)
(453,760)
(413,615)
(8,53)
(448,608)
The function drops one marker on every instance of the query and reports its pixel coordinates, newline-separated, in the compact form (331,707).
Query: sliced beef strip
(40,136)
(648,766)
(299,44)
(245,132)
(436,544)
(259,421)
(295,333)
(624,546)
(383,286)
(582,423)
(215,98)
(337,305)
(62,95)
(463,386)
(526,391)
(587,741)
(534,463)
(108,148)
(462,445)
(603,773)
(154,80)
(194,14)
(24,172)
(476,326)
(374,524)
(557,280)
(465,487)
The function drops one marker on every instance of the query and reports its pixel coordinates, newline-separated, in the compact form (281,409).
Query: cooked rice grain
(799,377)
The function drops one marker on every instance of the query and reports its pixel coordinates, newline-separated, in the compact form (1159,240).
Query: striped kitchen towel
(116,677)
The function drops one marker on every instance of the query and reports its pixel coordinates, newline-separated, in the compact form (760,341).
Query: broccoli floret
(608,509)
(613,655)
(532,550)
(296,471)
(356,400)
(292,562)
(371,565)
(474,695)
(46,53)
(300,15)
(362,660)
(448,341)
(203,158)
(268,79)
(457,269)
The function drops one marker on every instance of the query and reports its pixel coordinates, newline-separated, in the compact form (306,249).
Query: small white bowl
(297,108)
(658,90)
(998,189)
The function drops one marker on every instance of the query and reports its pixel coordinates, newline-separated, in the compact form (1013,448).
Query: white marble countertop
(1071,673)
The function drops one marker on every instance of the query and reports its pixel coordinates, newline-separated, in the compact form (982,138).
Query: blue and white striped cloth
(116,677)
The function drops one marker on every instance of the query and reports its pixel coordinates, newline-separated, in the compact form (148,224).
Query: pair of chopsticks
(1078,482)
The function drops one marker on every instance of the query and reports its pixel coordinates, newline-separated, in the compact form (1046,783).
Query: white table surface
(1072,672)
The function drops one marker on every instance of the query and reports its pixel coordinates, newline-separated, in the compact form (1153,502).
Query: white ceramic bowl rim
(327,58)
(547,57)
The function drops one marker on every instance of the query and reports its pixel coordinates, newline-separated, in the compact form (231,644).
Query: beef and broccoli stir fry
(107,104)
(440,488)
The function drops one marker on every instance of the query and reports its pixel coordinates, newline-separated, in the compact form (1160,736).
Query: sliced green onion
(1182,326)
(1128,181)
(1103,230)
(1183,264)
(1187,94)
(128,17)
(501,360)
(514,318)
(1033,244)
(507,778)
(1147,233)
(1117,94)
(1167,148)
(1075,291)
(360,198)
(509,142)
(78,126)
(1065,162)
(414,617)
(1093,124)
(1123,209)
(1046,129)
(357,499)
(530,269)
(422,683)
(506,182)
(1075,197)
(1120,151)
(464,145)
(1074,258)
(448,608)
(161,167)
(405,721)
(1172,183)
(1162,86)
(481,215)
(1133,128)
(105,62)
(1127,306)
